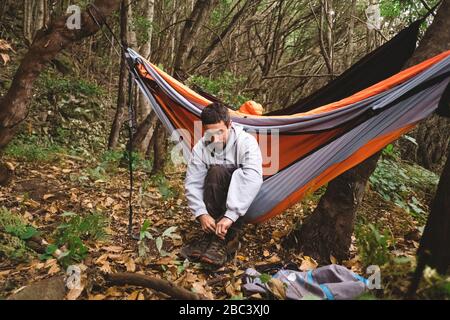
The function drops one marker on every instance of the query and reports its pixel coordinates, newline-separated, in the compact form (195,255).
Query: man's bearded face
(216,136)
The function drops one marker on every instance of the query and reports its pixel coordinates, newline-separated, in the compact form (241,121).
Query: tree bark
(433,249)
(35,17)
(326,26)
(141,141)
(47,44)
(144,133)
(351,33)
(433,134)
(5,174)
(123,80)
(3,8)
(161,285)
(159,149)
(28,20)
(328,230)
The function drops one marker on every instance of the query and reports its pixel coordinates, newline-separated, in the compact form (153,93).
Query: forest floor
(42,194)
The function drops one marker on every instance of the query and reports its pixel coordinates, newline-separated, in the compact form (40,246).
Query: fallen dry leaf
(109,201)
(53,209)
(273,259)
(73,197)
(278,288)
(115,249)
(106,267)
(102,259)
(97,297)
(10,165)
(229,289)
(130,264)
(54,267)
(74,293)
(333,259)
(165,261)
(134,295)
(5,58)
(113,292)
(48,196)
(308,263)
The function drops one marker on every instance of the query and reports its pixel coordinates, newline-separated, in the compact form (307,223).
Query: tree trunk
(40,18)
(3,8)
(123,80)
(351,32)
(141,142)
(327,232)
(28,20)
(173,35)
(433,134)
(47,44)
(5,174)
(35,17)
(372,39)
(144,133)
(326,35)
(159,149)
(433,250)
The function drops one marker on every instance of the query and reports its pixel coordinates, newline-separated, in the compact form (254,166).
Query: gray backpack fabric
(332,282)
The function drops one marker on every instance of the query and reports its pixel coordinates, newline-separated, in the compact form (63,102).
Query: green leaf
(145,225)
(180,269)
(28,233)
(44,256)
(51,249)
(264,277)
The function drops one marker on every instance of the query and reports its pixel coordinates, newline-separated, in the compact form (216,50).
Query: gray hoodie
(241,150)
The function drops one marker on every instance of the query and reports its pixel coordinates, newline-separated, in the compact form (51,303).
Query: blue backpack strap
(310,278)
(325,289)
(327,292)
(361,278)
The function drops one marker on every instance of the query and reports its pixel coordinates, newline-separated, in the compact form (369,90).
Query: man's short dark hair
(214,113)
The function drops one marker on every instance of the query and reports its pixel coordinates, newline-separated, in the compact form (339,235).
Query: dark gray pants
(217,183)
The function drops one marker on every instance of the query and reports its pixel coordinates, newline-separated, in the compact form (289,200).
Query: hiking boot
(196,248)
(216,253)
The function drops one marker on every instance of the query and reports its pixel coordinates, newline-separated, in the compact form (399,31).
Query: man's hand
(222,227)
(208,223)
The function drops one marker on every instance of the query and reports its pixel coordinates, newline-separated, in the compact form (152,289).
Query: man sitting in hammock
(223,177)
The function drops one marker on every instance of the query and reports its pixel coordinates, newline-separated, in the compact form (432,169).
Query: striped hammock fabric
(314,146)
